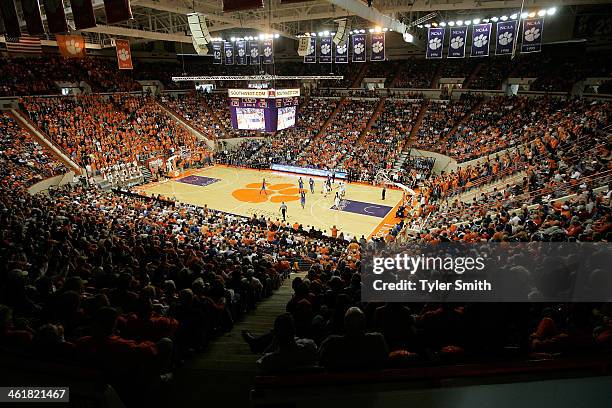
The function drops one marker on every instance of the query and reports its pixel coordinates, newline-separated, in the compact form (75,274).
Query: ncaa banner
(124,55)
(228,47)
(481,36)
(532,35)
(216,48)
(506,34)
(377,49)
(457,42)
(241,57)
(254,52)
(359,48)
(342,53)
(268,51)
(311,57)
(435,43)
(325,55)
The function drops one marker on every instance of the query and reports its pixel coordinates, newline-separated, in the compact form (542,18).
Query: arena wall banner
(505,37)
(341,56)
(31,15)
(325,50)
(377,48)
(533,29)
(359,48)
(311,57)
(56,18)
(481,37)
(435,42)
(117,11)
(124,54)
(216,48)
(268,51)
(228,49)
(241,53)
(254,52)
(457,42)
(71,46)
(83,14)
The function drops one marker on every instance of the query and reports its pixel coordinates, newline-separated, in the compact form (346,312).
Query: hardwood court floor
(237,191)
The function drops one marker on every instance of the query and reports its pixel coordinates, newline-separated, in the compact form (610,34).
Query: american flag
(23,44)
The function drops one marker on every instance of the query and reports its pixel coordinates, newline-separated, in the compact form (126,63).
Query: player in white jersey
(337,202)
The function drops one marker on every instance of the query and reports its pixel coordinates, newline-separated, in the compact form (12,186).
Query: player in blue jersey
(263,187)
(303,198)
(301,183)
(312,185)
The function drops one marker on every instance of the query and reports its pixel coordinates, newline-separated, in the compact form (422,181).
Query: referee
(283,209)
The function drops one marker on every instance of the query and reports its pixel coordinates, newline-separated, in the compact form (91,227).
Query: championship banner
(303,46)
(8,12)
(435,42)
(377,50)
(117,10)
(268,51)
(325,55)
(228,49)
(532,35)
(506,33)
(83,14)
(216,48)
(124,54)
(457,42)
(71,46)
(342,53)
(241,53)
(311,57)
(481,36)
(31,15)
(359,48)
(254,52)
(56,18)
(239,5)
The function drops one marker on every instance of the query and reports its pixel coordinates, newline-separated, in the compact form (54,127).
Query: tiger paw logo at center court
(275,193)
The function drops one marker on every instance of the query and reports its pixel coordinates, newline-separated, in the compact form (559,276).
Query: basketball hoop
(383,178)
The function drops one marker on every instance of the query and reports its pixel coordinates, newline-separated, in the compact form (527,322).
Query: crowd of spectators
(193,107)
(100,132)
(415,73)
(23,161)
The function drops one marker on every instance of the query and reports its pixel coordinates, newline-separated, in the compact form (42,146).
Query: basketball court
(238,191)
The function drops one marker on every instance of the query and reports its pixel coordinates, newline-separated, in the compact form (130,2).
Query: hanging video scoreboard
(263,110)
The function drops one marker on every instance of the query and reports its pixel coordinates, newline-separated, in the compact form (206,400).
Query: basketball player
(303,198)
(337,202)
(283,209)
(263,187)
(342,189)
(301,183)
(325,189)
(312,185)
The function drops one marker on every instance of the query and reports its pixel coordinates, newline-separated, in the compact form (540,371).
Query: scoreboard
(263,110)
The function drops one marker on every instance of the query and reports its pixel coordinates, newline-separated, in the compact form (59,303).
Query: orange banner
(124,55)
(71,46)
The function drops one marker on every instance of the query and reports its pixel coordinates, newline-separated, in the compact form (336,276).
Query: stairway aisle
(224,372)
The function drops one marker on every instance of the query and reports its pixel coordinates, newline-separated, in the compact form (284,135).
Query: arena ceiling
(165,20)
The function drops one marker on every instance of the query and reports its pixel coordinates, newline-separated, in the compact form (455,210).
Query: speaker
(342,33)
(199,32)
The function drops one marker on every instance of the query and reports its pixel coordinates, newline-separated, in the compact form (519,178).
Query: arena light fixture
(362,31)
(503,18)
(451,23)
(541,13)
(442,24)
(434,24)
(420,26)
(427,25)
(326,33)
(385,29)
(494,19)
(232,39)
(277,35)
(320,33)
(459,22)
(261,36)
(513,16)
(485,20)
(532,14)
(475,21)
(371,30)
(408,37)
(524,15)
(551,11)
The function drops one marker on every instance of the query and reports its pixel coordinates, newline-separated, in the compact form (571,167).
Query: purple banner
(254,52)
(229,53)
(241,53)
(457,42)
(268,51)
(532,35)
(481,36)
(342,53)
(311,57)
(377,50)
(359,48)
(435,43)
(216,48)
(325,53)
(506,35)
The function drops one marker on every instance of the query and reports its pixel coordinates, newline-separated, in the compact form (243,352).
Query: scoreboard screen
(286,117)
(251,119)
